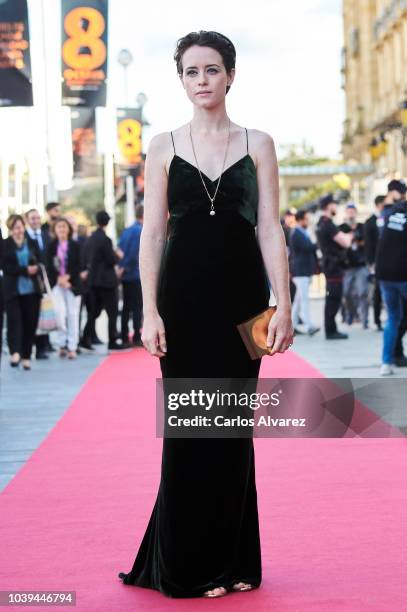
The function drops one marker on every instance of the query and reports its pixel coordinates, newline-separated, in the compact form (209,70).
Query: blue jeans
(393,293)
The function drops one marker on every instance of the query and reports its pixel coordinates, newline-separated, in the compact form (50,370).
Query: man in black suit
(101,259)
(53,210)
(371,236)
(333,244)
(36,232)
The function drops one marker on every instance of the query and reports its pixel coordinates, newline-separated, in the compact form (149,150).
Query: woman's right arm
(152,241)
(11,267)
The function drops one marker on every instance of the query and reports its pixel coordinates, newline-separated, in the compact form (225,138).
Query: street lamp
(141,100)
(125,58)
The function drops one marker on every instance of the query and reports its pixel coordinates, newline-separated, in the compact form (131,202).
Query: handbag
(254,332)
(47,321)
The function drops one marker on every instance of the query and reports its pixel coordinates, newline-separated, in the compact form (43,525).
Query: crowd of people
(79,275)
(364,264)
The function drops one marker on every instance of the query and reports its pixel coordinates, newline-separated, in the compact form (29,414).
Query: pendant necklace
(211,198)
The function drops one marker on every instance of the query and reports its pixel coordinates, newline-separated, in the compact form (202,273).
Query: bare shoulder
(261,144)
(160,151)
(160,144)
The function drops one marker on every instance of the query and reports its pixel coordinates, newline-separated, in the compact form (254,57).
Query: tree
(300,154)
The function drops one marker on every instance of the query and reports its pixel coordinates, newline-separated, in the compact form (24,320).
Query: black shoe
(42,355)
(138,342)
(114,347)
(121,575)
(401,361)
(15,364)
(313,330)
(96,340)
(379,327)
(85,344)
(336,336)
(126,344)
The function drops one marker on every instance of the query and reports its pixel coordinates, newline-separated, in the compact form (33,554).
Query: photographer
(333,244)
(356,275)
(371,238)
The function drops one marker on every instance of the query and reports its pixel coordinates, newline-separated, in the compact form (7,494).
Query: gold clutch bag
(254,333)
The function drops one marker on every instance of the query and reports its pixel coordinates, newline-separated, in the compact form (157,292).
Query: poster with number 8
(84,52)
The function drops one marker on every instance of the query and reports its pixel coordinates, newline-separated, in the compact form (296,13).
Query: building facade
(374,70)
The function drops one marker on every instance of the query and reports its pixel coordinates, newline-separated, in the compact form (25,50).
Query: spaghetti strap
(172,137)
(247,140)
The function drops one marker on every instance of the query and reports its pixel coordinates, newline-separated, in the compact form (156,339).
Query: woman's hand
(32,270)
(280,331)
(153,335)
(63,281)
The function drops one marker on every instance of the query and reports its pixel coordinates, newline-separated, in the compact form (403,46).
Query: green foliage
(300,154)
(88,200)
(314,193)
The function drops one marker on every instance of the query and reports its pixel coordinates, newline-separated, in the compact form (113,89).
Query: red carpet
(332,511)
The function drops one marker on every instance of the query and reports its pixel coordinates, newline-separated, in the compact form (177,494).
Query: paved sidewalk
(357,357)
(31,403)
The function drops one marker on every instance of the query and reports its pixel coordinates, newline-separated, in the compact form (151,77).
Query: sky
(287,81)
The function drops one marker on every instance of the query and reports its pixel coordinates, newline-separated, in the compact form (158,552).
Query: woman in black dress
(218,181)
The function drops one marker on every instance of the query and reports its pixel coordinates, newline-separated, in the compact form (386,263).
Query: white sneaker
(386,369)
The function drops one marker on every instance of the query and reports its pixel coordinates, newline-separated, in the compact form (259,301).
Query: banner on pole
(85,162)
(84,52)
(15,62)
(129,132)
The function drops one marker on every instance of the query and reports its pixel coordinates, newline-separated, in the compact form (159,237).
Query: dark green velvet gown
(204,530)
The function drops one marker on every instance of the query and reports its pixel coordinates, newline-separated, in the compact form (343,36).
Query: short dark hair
(63,220)
(326,200)
(102,218)
(51,205)
(379,199)
(397,185)
(300,214)
(212,39)
(139,211)
(12,220)
(32,210)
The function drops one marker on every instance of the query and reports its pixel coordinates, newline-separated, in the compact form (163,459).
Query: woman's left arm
(271,240)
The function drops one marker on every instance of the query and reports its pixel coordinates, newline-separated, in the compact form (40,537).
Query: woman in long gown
(199,282)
